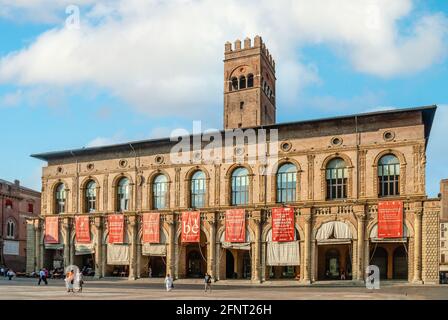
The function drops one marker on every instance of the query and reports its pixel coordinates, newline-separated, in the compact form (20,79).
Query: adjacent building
(444,227)
(17,204)
(332,172)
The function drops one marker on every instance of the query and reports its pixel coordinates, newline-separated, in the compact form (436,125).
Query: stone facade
(17,203)
(360,141)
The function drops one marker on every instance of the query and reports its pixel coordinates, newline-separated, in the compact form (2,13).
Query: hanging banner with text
(235,225)
(116,228)
(191,231)
(82,229)
(283,224)
(390,219)
(151,227)
(51,230)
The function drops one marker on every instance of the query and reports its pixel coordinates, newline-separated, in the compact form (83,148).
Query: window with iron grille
(90,196)
(336,176)
(240,187)
(60,198)
(198,190)
(123,195)
(286,183)
(159,191)
(388,176)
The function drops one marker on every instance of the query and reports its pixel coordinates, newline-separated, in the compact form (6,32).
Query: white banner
(11,248)
(283,254)
(118,254)
(84,248)
(152,249)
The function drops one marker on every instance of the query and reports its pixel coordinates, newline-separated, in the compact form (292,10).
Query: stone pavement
(122,289)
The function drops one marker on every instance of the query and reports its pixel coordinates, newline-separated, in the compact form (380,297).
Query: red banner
(390,219)
(235,225)
(51,230)
(191,230)
(283,224)
(82,228)
(151,227)
(116,228)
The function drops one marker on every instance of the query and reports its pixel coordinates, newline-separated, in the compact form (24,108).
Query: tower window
(241,105)
(250,80)
(242,82)
(234,83)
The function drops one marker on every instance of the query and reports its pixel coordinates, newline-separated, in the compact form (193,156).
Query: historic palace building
(333,176)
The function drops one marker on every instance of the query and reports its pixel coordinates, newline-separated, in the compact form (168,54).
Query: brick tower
(249,85)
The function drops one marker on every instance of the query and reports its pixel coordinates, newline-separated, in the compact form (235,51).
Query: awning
(334,230)
(54,246)
(374,235)
(154,249)
(236,245)
(334,241)
(283,253)
(84,248)
(117,254)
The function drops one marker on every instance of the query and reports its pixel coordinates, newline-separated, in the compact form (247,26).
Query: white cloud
(104,141)
(165,58)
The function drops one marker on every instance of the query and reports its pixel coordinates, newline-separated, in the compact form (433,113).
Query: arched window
(250,80)
(234,83)
(10,229)
(242,82)
(336,175)
(90,196)
(60,196)
(198,190)
(286,183)
(240,187)
(123,195)
(159,192)
(388,176)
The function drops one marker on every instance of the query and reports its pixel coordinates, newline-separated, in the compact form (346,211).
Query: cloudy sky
(135,69)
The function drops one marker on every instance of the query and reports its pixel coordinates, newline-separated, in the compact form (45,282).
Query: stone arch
(374,222)
(187,188)
(228,176)
(162,227)
(274,172)
(323,179)
(83,187)
(401,158)
(268,227)
(150,183)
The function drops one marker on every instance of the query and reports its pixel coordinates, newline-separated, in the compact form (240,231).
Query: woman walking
(69,280)
(169,283)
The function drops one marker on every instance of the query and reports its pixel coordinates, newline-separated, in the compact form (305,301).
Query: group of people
(9,273)
(207,283)
(74,280)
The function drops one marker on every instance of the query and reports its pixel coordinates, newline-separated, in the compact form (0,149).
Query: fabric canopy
(269,235)
(283,253)
(56,246)
(236,245)
(335,229)
(374,232)
(154,249)
(118,254)
(84,248)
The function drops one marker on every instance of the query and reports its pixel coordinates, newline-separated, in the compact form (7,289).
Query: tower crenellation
(249,84)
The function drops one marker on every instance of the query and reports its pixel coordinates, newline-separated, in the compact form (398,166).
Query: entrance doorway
(195,264)
(230,265)
(334,262)
(400,263)
(379,259)
(158,266)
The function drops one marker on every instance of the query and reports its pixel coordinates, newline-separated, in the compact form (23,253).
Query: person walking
(10,274)
(42,277)
(2,271)
(149,272)
(208,282)
(343,275)
(169,282)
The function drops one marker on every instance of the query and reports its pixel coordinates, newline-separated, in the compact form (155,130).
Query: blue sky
(138,69)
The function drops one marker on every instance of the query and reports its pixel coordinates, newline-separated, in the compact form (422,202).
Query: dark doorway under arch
(195,264)
(230,265)
(400,267)
(380,260)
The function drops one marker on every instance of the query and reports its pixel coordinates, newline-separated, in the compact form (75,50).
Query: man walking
(208,282)
(42,277)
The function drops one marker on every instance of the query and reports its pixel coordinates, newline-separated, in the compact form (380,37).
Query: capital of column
(170,219)
(211,218)
(97,222)
(132,220)
(257,216)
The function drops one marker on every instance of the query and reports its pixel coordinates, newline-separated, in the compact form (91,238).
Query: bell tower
(249,85)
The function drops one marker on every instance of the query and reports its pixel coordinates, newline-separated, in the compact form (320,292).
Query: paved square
(119,289)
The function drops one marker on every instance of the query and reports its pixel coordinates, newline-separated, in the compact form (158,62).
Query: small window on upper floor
(242,82)
(241,105)
(250,80)
(10,229)
(30,208)
(234,83)
(8,204)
